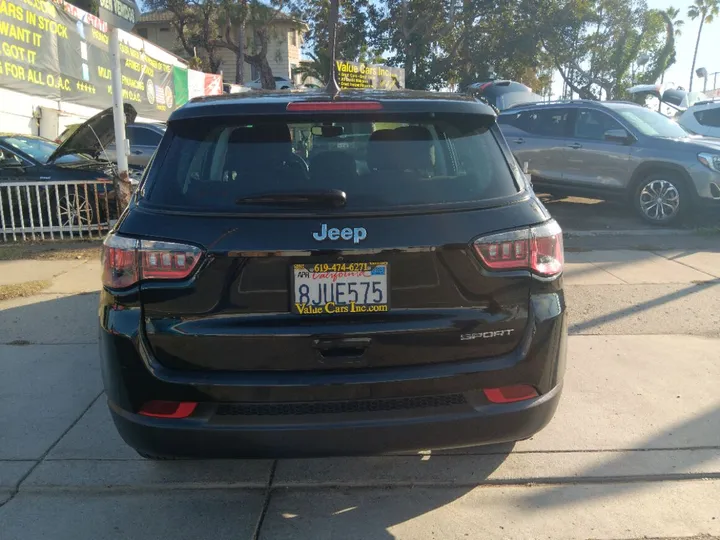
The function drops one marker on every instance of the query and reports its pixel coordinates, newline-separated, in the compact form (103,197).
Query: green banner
(180,79)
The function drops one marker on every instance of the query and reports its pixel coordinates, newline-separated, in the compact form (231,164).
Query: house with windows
(286,35)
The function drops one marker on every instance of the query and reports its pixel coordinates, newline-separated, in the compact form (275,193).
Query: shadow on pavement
(50,319)
(694,288)
(61,323)
(354,513)
(670,439)
(583,214)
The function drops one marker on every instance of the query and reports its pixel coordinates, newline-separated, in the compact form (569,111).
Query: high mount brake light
(125,261)
(538,249)
(315,106)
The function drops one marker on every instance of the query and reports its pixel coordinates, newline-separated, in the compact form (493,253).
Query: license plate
(339,288)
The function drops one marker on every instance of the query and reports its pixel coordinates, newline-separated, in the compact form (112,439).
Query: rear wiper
(330,197)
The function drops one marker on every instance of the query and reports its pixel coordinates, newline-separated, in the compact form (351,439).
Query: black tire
(661,198)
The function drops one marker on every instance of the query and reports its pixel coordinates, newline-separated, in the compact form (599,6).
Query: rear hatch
(349,260)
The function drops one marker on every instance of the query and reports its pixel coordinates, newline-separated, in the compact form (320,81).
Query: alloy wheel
(74,211)
(659,200)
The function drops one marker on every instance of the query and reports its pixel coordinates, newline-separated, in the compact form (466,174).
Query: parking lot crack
(266,502)
(52,446)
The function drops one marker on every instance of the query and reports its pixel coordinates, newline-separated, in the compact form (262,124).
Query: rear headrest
(401,149)
(334,165)
(261,133)
(379,154)
(415,148)
(258,146)
(413,133)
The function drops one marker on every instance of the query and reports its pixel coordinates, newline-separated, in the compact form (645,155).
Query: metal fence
(55,210)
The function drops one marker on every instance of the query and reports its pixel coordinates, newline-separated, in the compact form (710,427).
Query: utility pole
(123,188)
(332,85)
(240,59)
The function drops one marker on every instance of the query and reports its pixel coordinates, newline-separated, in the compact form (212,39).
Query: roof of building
(160,16)
(155,16)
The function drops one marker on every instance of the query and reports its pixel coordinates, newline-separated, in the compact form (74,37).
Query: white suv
(703,118)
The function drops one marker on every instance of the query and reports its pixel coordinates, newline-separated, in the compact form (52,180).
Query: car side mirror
(617,135)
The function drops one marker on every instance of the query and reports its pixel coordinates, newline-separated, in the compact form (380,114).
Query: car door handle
(575,145)
(348,349)
(136,152)
(519,140)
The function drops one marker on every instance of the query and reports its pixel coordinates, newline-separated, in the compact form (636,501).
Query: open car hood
(94,135)
(680,99)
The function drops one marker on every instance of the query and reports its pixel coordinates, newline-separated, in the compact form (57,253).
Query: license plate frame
(376,273)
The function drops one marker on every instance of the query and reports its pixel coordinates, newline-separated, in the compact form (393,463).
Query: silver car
(615,150)
(144,139)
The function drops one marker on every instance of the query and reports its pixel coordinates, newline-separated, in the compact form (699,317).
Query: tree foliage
(204,27)
(601,44)
(594,44)
(599,47)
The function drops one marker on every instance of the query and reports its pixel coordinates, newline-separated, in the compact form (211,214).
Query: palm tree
(706,10)
(676,23)
(317,67)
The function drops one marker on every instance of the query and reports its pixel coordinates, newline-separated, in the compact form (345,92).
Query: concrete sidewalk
(641,267)
(67,276)
(633,451)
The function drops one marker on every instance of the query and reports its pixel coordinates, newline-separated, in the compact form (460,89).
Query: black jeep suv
(257,304)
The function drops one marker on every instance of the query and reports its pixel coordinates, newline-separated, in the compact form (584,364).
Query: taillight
(126,261)
(538,249)
(119,262)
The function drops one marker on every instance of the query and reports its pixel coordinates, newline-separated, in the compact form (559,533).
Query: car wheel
(75,210)
(661,199)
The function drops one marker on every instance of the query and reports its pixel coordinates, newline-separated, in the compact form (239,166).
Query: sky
(679,73)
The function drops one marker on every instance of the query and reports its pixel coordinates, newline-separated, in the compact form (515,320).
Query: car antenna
(332,85)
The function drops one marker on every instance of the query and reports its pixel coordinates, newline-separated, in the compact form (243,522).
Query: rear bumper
(317,412)
(486,424)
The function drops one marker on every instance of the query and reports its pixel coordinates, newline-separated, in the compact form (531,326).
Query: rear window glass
(505,101)
(380,163)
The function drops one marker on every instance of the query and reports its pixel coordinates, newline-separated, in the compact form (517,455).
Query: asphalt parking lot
(633,452)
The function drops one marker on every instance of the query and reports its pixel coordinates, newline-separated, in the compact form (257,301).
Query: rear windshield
(505,101)
(380,163)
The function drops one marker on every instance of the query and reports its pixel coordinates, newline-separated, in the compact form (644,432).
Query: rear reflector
(313,106)
(168,409)
(538,249)
(126,261)
(510,394)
